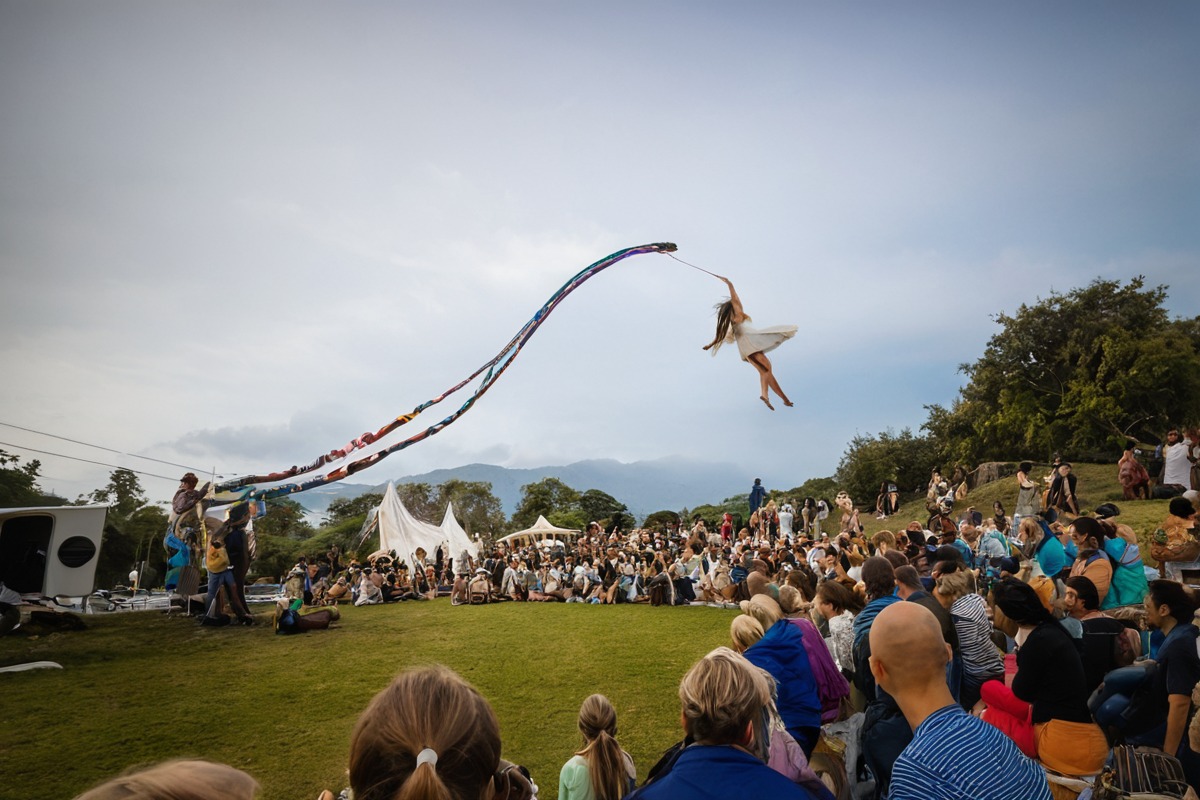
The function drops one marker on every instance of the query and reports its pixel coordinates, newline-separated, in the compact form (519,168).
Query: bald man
(953,754)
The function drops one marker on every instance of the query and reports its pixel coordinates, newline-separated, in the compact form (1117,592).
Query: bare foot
(768,402)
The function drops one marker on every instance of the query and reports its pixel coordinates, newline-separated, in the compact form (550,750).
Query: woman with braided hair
(601,770)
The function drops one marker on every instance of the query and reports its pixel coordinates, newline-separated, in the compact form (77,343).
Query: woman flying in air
(753,344)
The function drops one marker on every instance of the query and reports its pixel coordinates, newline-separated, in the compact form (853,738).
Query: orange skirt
(1072,748)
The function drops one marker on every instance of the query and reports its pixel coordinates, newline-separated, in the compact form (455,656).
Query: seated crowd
(980,661)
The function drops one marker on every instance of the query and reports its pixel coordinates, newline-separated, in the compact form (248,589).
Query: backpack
(1176,543)
(217,559)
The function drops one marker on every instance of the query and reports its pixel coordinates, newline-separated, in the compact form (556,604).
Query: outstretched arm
(738,312)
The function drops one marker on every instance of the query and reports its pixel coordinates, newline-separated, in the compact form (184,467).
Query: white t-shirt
(1178,468)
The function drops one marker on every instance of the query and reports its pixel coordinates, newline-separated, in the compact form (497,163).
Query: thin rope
(693,266)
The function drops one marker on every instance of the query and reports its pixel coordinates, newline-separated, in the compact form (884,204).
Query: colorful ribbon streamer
(493,369)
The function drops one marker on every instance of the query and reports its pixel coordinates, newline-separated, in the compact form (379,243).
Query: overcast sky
(237,234)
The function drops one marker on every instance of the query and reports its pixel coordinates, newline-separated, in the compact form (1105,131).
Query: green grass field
(142,687)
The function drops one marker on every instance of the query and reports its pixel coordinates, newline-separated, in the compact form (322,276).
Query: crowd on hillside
(959,656)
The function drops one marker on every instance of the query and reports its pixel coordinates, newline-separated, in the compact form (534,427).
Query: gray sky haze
(240,234)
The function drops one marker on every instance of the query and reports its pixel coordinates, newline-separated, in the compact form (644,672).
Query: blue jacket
(758,493)
(1052,557)
(720,772)
(781,653)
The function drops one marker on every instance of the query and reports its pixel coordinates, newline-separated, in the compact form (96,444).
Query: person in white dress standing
(753,343)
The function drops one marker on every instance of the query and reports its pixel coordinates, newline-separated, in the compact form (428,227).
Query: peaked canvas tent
(542,529)
(456,537)
(400,531)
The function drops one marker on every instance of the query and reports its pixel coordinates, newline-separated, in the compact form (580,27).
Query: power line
(87,461)
(101,447)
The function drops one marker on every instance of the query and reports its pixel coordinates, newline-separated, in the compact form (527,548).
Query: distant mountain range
(643,486)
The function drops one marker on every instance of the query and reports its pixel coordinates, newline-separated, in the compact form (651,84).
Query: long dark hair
(724,321)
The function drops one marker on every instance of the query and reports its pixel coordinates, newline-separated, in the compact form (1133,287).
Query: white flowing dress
(758,340)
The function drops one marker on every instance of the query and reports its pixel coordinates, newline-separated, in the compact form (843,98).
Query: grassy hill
(142,687)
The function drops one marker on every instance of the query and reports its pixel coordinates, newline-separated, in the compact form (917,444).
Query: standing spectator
(770,521)
(220,575)
(952,754)
(1027,493)
(787,518)
(601,770)
(757,495)
(238,546)
(1177,468)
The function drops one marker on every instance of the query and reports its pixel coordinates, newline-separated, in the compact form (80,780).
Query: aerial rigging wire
(97,447)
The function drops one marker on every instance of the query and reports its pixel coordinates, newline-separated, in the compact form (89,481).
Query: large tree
(123,494)
(346,508)
(284,518)
(547,497)
(598,506)
(19,482)
(421,499)
(888,456)
(1078,373)
(476,507)
(132,531)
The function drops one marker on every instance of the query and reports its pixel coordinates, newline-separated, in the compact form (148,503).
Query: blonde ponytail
(606,761)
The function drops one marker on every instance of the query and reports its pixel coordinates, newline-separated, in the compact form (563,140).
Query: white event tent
(541,531)
(400,531)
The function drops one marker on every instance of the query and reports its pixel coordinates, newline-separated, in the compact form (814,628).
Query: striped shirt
(955,756)
(981,659)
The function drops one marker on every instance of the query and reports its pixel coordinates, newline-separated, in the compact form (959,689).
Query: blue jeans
(1109,703)
(215,581)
